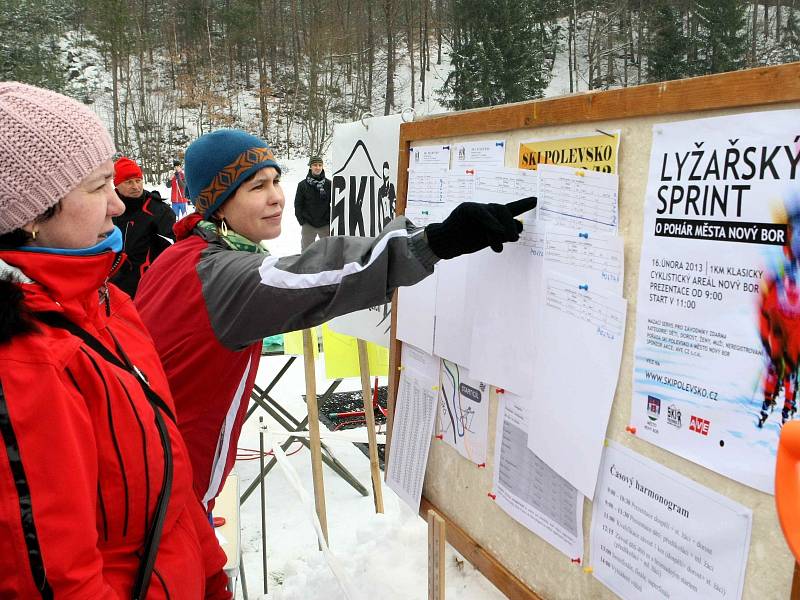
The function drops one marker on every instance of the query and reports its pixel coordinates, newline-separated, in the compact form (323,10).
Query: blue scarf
(112,242)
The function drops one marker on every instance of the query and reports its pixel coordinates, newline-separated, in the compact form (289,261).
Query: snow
(378,552)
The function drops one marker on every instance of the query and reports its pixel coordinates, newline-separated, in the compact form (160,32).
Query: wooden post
(313,429)
(436,551)
(369,417)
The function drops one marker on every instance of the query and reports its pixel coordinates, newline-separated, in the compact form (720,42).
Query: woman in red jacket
(96,493)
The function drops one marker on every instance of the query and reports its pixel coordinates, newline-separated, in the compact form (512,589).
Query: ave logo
(699,425)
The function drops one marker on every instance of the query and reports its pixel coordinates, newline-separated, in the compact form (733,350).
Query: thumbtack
(492,496)
(605,442)
(580,173)
(439,436)
(400,368)
(631,429)
(482,465)
(584,287)
(499,391)
(583,234)
(435,388)
(588,569)
(575,561)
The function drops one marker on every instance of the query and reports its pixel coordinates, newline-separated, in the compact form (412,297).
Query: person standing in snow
(177,186)
(312,204)
(95,480)
(146,225)
(233,293)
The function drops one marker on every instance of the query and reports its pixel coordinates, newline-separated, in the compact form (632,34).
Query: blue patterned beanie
(218,163)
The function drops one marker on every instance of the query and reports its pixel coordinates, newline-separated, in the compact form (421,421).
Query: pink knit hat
(48,144)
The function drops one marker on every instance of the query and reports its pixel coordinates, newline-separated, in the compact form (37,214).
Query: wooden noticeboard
(519,563)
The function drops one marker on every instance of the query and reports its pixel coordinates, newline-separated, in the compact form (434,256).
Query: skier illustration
(779,322)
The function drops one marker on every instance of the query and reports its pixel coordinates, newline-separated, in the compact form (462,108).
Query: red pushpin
(499,391)
(492,496)
(439,436)
(575,561)
(631,429)
(482,466)
(219,521)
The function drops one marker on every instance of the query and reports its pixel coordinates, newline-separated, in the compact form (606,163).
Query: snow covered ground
(385,556)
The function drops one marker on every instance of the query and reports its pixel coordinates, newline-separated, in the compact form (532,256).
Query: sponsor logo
(674,416)
(653,407)
(699,425)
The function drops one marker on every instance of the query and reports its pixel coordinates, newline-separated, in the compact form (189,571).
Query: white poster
(657,534)
(527,489)
(718,313)
(363,198)
(463,418)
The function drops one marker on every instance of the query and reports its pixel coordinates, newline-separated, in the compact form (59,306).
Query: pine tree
(29,33)
(722,36)
(498,52)
(669,46)
(790,41)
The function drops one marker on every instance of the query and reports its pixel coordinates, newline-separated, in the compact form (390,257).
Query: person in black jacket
(146,225)
(312,204)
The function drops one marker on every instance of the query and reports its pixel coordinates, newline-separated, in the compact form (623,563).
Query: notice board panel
(521,564)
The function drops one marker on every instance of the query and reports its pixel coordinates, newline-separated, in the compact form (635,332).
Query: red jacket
(82,463)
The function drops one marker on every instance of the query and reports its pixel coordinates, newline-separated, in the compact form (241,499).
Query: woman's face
(255,208)
(84,218)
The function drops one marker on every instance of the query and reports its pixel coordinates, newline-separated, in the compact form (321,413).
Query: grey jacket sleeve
(250,297)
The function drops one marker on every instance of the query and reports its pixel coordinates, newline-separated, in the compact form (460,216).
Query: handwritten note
(577,198)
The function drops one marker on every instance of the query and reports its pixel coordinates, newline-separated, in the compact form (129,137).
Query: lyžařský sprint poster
(718,311)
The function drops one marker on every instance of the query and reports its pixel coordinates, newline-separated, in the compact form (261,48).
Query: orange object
(787,485)
(631,429)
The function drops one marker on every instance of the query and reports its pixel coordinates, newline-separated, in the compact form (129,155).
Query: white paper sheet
(595,258)
(415,414)
(506,185)
(503,330)
(416,313)
(463,416)
(455,308)
(487,153)
(429,158)
(426,187)
(578,199)
(575,376)
(657,534)
(460,186)
(528,490)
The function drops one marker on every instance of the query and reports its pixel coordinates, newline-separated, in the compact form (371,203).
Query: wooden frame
(755,87)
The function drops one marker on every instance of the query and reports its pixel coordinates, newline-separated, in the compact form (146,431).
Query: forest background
(161,73)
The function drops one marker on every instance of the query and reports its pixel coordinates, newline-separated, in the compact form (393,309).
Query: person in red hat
(146,225)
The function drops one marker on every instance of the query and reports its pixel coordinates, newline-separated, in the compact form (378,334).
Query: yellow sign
(341,353)
(293,342)
(341,356)
(594,152)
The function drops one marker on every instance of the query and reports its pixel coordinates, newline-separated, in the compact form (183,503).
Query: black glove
(472,227)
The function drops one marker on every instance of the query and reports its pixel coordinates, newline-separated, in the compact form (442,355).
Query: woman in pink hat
(96,495)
